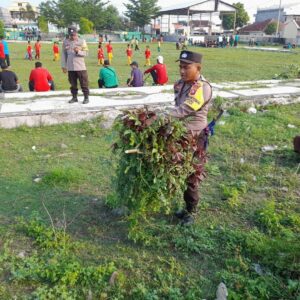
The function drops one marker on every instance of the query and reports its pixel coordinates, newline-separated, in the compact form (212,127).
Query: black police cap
(72,29)
(190,57)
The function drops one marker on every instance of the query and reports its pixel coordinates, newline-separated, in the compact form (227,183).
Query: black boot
(188,220)
(180,214)
(86,100)
(74,99)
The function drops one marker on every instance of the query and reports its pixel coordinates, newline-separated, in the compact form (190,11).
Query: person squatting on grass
(40,80)
(9,82)
(158,72)
(73,53)
(136,78)
(192,96)
(107,76)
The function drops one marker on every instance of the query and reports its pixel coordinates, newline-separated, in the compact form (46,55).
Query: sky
(250,5)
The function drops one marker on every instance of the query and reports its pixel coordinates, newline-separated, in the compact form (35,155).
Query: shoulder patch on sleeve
(195,98)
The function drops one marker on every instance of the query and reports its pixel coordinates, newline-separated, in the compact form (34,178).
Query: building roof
(196,7)
(258,26)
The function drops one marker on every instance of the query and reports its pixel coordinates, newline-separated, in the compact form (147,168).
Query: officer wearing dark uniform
(74,51)
(192,96)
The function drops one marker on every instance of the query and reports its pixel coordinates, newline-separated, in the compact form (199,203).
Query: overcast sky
(250,5)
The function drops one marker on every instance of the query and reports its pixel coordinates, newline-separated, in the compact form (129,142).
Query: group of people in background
(40,80)
(108,77)
(220,41)
(74,50)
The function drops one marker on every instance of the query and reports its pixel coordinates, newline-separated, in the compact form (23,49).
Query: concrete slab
(58,104)
(268,91)
(36,109)
(225,94)
(145,89)
(269,49)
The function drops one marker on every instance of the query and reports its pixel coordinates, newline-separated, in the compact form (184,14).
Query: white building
(23,14)
(291,29)
(178,19)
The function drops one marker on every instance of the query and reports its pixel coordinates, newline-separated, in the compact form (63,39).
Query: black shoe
(187,220)
(181,213)
(86,100)
(73,100)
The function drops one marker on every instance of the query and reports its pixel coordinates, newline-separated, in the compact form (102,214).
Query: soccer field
(218,64)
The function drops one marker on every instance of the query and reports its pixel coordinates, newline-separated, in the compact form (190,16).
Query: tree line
(97,15)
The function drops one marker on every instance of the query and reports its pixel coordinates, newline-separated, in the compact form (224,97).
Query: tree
(94,11)
(141,11)
(86,26)
(28,13)
(62,13)
(242,17)
(2,29)
(271,28)
(43,24)
(112,18)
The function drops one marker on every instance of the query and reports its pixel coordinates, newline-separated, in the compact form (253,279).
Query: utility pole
(278,19)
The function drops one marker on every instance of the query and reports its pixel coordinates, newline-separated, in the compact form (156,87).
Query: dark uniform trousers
(191,194)
(82,76)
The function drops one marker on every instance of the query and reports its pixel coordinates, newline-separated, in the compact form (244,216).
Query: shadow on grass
(283,158)
(86,216)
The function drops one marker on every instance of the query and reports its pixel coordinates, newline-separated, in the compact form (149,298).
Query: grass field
(246,235)
(219,64)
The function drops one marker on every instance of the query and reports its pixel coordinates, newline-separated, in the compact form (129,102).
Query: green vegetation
(43,24)
(154,158)
(141,11)
(86,26)
(219,64)
(289,72)
(271,28)
(58,239)
(242,17)
(2,29)
(64,13)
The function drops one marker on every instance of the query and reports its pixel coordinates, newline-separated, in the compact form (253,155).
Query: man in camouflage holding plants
(192,95)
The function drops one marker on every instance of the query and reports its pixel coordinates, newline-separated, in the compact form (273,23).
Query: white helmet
(160,59)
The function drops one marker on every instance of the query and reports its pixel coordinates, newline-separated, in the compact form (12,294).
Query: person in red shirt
(129,54)
(29,51)
(40,80)
(37,48)
(100,55)
(55,51)
(2,54)
(109,50)
(147,56)
(159,72)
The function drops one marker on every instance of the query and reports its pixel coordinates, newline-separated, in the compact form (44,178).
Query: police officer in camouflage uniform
(192,96)
(74,51)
